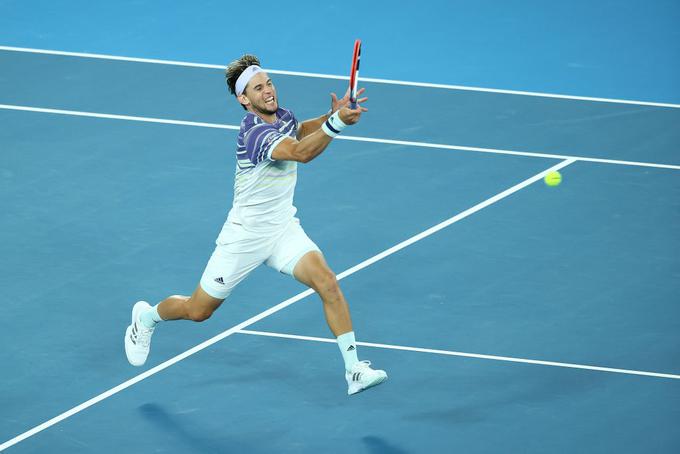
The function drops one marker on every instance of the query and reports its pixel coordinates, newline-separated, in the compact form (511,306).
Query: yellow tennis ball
(553,178)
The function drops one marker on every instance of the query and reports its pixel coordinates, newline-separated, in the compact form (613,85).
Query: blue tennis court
(511,316)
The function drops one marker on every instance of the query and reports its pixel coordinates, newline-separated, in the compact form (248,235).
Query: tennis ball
(553,178)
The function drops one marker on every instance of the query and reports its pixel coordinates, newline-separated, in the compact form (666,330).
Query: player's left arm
(307,127)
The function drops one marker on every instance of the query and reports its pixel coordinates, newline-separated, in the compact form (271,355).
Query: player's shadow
(176,432)
(377,445)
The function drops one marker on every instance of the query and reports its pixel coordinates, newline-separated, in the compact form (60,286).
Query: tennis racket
(354,74)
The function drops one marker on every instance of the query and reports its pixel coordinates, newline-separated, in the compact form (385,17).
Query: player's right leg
(236,255)
(197,307)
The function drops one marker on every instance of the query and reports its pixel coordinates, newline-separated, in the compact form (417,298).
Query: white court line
(278,307)
(509,152)
(116,117)
(331,76)
(351,138)
(467,355)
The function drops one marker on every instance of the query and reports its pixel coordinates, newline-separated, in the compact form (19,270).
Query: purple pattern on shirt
(257,136)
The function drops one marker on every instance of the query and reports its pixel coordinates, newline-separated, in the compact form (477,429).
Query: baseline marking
(467,355)
(341,137)
(331,76)
(236,328)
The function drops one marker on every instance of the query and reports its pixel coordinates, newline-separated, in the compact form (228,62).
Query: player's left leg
(313,271)
(298,256)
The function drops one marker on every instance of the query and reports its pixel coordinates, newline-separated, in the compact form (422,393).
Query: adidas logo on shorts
(219,280)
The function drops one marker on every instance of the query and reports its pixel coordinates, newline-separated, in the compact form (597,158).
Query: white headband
(245,77)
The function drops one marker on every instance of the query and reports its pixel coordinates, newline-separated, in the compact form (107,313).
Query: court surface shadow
(187,438)
(377,445)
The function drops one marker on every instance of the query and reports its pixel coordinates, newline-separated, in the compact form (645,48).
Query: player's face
(261,94)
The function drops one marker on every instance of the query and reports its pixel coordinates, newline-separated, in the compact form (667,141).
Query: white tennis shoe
(138,336)
(363,377)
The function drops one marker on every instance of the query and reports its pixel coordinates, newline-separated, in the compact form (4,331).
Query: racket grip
(352,103)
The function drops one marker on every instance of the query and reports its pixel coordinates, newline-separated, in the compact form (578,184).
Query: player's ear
(243,99)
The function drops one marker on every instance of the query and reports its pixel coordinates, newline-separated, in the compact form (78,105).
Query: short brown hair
(235,68)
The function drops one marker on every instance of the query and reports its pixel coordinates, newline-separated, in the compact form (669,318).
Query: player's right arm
(309,126)
(313,144)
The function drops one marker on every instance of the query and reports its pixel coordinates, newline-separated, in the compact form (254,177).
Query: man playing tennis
(261,226)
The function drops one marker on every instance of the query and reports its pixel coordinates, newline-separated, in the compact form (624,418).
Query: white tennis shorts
(239,251)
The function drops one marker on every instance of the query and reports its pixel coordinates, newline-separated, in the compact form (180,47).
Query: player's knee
(326,281)
(200,314)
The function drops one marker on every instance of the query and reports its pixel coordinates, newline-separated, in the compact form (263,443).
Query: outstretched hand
(348,115)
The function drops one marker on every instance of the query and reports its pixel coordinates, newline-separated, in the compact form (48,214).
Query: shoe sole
(375,382)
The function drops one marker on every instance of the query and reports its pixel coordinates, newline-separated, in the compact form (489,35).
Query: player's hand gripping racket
(354,74)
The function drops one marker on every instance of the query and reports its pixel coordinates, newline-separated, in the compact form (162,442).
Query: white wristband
(334,125)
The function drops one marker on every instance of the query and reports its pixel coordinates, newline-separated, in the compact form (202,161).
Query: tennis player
(261,226)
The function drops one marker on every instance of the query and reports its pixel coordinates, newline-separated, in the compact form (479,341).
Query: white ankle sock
(150,318)
(348,348)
